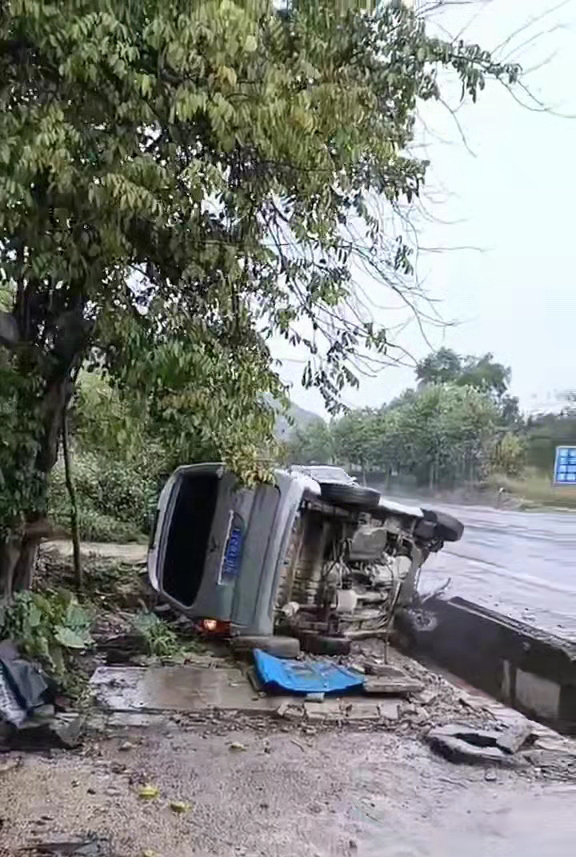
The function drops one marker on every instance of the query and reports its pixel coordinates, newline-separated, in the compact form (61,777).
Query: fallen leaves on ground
(148,792)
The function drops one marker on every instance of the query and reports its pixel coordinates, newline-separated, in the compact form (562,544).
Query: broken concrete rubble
(223,699)
(398,685)
(514,737)
(180,688)
(461,743)
(290,711)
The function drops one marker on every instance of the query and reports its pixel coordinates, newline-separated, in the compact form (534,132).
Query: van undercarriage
(295,556)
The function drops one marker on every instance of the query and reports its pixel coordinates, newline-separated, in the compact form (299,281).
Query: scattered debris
(389,709)
(514,737)
(427,697)
(378,667)
(460,743)
(283,709)
(10,765)
(148,792)
(67,728)
(179,806)
(290,711)
(252,676)
(399,684)
(89,846)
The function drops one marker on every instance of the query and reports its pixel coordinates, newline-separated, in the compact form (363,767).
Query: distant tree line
(459,425)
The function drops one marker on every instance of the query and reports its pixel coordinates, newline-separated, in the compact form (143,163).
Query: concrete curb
(524,667)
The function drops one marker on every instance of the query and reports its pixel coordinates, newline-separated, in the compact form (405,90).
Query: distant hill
(296,418)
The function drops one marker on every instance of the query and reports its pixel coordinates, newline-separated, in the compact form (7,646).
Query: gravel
(320,794)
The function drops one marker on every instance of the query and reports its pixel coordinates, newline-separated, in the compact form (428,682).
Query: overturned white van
(310,554)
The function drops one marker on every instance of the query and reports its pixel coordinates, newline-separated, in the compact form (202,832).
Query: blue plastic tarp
(278,675)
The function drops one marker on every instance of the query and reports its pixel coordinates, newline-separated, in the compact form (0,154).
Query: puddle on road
(542,824)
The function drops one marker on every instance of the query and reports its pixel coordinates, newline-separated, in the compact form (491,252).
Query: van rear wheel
(319,644)
(280,647)
(340,494)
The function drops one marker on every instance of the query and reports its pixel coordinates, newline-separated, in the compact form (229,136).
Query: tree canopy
(439,435)
(176,180)
(483,373)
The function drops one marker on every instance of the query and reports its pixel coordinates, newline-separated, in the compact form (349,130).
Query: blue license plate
(233,555)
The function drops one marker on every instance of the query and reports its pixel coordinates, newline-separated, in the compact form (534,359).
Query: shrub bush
(115,500)
(46,626)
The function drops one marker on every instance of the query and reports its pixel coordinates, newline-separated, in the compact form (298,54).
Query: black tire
(425,530)
(280,647)
(340,494)
(317,644)
(448,529)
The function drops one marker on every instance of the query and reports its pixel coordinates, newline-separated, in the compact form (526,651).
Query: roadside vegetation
(179,184)
(112,620)
(533,490)
(458,429)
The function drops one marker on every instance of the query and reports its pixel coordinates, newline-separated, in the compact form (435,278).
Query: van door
(182,538)
(218,547)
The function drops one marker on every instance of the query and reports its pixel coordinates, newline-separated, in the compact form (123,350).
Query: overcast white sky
(513,198)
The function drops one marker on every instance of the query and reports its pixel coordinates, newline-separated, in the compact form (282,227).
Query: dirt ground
(284,793)
(132,552)
(289,789)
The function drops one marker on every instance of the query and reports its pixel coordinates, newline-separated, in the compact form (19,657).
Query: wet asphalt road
(522,564)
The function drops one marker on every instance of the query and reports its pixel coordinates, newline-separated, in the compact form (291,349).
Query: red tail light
(215,627)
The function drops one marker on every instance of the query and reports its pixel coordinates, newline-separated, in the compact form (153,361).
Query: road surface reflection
(522,564)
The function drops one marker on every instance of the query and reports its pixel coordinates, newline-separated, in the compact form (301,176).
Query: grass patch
(111,621)
(160,639)
(536,490)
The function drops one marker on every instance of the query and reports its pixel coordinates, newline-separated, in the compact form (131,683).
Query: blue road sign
(565,466)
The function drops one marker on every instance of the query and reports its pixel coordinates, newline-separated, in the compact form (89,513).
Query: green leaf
(34,616)
(178,184)
(76,617)
(72,639)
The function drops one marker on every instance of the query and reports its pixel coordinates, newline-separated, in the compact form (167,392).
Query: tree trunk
(78,570)
(19,546)
(17,560)
(52,338)
(9,554)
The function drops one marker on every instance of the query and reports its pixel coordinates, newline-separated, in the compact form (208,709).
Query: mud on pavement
(251,792)
(224,783)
